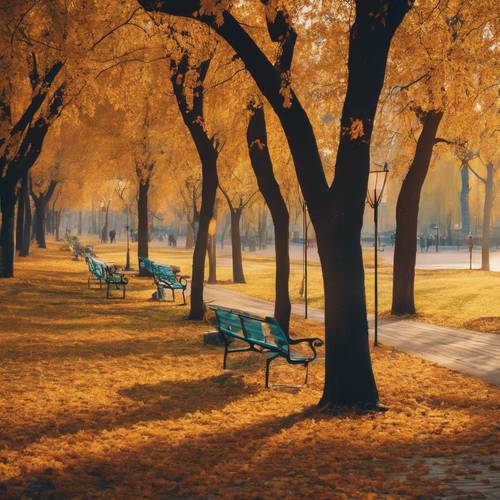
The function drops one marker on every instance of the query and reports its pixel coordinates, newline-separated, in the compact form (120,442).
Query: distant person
(428,243)
(112,236)
(422,243)
(174,241)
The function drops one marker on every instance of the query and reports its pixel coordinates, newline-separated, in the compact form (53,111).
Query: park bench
(102,272)
(165,277)
(264,336)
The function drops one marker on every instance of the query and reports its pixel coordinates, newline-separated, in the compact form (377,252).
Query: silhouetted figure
(112,236)
(428,243)
(422,242)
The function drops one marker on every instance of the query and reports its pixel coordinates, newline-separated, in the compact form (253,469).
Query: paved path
(466,351)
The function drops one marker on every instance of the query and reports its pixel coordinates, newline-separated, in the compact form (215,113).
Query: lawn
(450,297)
(112,398)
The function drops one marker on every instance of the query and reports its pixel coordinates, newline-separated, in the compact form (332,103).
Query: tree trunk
(8,207)
(40,221)
(208,193)
(405,249)
(189,236)
(212,259)
(464,198)
(142,225)
(238,275)
(263,168)
(105,227)
(80,223)
(57,223)
(489,188)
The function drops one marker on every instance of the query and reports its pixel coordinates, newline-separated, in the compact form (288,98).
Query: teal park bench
(262,335)
(165,277)
(102,272)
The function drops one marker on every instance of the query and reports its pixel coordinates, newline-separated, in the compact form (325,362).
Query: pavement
(470,352)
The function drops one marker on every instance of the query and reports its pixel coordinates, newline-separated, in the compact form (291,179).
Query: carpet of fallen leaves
(120,399)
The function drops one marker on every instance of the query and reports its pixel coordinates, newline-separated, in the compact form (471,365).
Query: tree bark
(8,207)
(405,249)
(80,216)
(26,240)
(263,168)
(489,194)
(189,236)
(40,222)
(143,228)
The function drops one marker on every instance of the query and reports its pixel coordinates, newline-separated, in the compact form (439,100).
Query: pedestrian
(112,236)
(422,243)
(428,242)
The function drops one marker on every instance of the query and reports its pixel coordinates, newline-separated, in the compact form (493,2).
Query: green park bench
(165,276)
(102,272)
(264,336)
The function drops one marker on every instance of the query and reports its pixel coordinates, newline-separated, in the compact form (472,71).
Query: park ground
(121,399)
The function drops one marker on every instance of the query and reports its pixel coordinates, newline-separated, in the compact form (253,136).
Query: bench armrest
(313,341)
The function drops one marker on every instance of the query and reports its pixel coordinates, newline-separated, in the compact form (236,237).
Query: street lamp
(304,232)
(127,227)
(436,228)
(376,186)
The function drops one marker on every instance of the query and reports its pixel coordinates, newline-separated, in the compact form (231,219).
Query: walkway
(466,351)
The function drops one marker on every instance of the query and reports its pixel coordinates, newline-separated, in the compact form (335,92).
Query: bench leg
(268,363)
(173,295)
(226,346)
(307,373)
(184,297)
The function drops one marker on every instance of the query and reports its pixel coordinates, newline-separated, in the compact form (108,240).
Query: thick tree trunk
(105,227)
(8,207)
(464,198)
(208,193)
(405,249)
(263,168)
(142,224)
(489,189)
(238,274)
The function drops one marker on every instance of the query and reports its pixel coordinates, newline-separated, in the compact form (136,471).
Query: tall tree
(336,210)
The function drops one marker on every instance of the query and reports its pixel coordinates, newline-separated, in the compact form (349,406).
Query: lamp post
(127,227)
(304,231)
(376,186)
(436,228)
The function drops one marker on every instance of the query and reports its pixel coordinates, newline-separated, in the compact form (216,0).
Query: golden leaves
(356,130)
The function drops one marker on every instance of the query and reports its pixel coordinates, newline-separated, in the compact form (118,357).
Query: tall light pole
(304,231)
(376,186)
(127,227)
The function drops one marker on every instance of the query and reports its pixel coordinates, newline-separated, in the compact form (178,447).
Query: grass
(448,297)
(120,399)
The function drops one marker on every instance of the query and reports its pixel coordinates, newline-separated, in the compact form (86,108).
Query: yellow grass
(451,297)
(120,399)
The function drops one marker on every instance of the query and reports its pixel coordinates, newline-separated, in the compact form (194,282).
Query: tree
(208,150)
(336,210)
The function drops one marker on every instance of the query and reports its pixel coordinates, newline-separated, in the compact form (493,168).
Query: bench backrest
(264,332)
(147,264)
(97,268)
(228,321)
(164,272)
